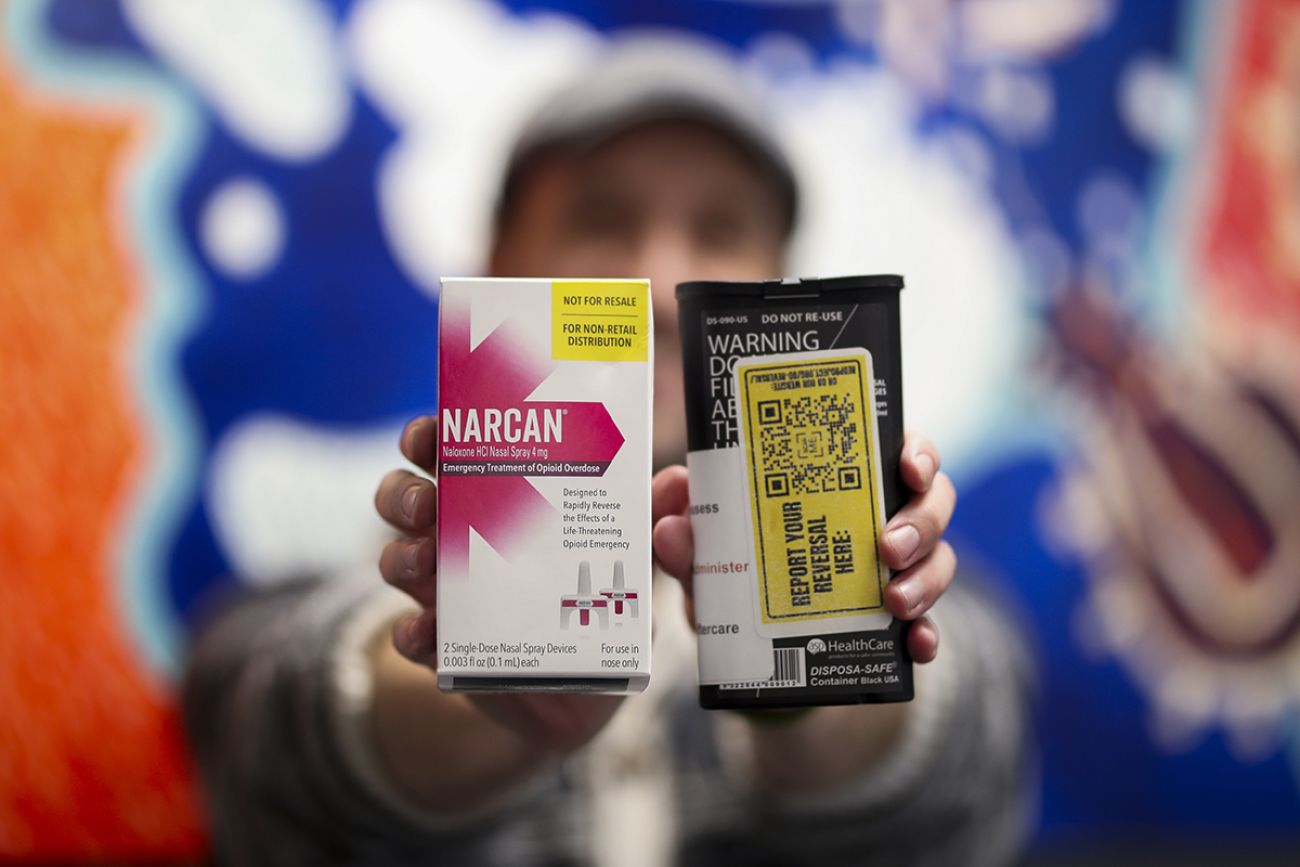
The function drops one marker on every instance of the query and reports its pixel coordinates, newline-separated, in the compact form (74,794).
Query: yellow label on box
(600,320)
(812,461)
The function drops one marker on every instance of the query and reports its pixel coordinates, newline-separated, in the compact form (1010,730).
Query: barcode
(788,672)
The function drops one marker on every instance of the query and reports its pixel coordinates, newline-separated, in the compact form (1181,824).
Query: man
(658,166)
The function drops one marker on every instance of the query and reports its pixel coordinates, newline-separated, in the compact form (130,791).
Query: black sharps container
(794,410)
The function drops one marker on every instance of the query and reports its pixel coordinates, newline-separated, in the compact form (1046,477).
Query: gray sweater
(276,697)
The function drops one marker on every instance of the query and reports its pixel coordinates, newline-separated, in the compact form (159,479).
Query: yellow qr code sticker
(808,437)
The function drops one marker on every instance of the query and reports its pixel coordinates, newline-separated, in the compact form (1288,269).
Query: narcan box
(544,465)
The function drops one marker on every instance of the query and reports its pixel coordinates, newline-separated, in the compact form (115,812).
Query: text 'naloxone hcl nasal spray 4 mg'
(544,462)
(795,428)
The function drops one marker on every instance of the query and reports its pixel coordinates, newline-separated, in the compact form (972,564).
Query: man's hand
(912,543)
(555,723)
(834,745)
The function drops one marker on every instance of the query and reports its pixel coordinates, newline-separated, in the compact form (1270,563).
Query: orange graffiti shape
(92,759)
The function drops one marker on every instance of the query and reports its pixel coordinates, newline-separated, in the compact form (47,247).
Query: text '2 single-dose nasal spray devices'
(544,463)
(795,428)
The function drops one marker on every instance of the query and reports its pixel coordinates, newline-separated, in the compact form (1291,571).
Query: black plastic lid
(790,287)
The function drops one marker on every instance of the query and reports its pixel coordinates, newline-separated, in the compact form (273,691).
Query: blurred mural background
(221,228)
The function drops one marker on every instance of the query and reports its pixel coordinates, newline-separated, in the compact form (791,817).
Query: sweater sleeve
(276,701)
(958,789)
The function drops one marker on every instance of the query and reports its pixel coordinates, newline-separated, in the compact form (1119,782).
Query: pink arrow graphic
(500,503)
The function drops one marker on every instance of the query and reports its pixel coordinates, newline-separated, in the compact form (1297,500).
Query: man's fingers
(913,533)
(674,546)
(669,493)
(919,463)
(911,593)
(671,538)
(420,442)
(415,636)
(408,565)
(923,640)
(407,501)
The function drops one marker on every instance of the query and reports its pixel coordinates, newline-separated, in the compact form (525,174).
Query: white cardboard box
(544,560)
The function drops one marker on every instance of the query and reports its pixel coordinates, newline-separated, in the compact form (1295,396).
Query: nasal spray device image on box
(583,604)
(795,429)
(544,463)
(624,599)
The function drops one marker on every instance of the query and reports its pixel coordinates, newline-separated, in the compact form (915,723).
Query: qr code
(808,444)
